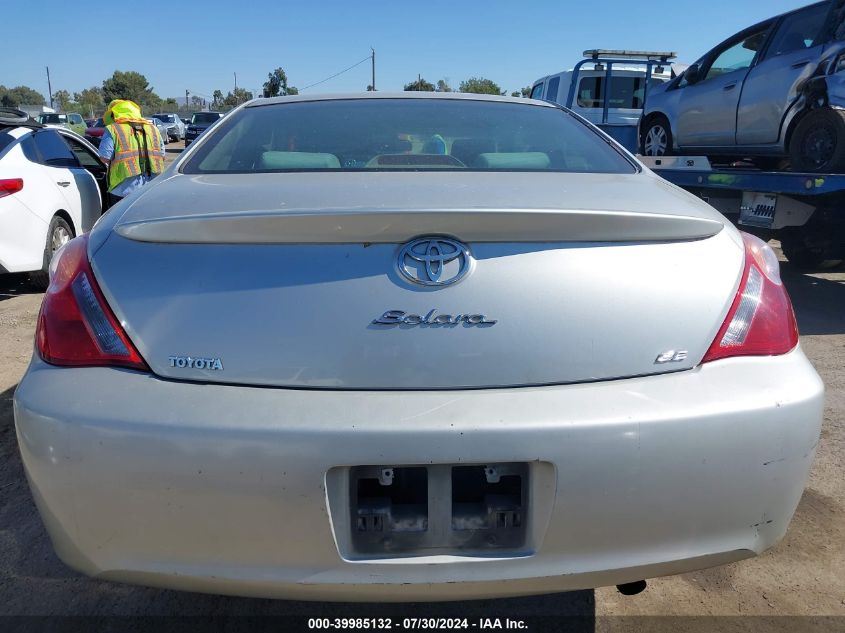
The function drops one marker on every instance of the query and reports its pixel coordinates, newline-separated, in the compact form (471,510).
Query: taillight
(76,326)
(761,321)
(9,186)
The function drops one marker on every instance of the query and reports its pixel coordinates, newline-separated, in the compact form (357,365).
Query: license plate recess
(439,508)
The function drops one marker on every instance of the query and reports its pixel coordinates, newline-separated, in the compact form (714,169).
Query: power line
(366,59)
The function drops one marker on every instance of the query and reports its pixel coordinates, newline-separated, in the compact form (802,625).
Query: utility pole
(49,87)
(374,68)
(186,99)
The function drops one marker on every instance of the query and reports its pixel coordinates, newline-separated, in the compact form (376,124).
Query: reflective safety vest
(137,151)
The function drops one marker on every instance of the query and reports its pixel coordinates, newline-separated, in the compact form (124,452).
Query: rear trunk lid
(295,280)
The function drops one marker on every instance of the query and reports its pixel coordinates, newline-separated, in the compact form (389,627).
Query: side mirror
(692,74)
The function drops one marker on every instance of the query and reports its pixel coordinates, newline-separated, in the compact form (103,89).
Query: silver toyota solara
(413,347)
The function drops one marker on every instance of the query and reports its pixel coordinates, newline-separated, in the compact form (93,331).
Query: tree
(198,101)
(277,84)
(443,86)
(526,91)
(370,88)
(515,93)
(90,99)
(62,98)
(237,97)
(480,85)
(131,85)
(420,85)
(20,95)
(170,104)
(217,99)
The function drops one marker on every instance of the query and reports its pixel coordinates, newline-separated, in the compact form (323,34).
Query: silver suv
(772,92)
(174,125)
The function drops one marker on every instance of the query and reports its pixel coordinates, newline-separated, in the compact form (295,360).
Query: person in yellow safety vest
(132,148)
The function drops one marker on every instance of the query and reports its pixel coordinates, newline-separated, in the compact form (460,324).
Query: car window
(551,92)
(76,118)
(537,91)
(52,119)
(205,117)
(405,134)
(799,30)
(625,92)
(53,150)
(82,153)
(737,56)
(6,139)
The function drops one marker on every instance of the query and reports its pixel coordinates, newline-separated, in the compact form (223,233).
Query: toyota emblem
(434,261)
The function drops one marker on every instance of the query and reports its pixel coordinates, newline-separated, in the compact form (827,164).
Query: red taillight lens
(8,186)
(76,326)
(761,321)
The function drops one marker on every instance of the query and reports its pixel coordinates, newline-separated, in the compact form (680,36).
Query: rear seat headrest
(298,160)
(513,160)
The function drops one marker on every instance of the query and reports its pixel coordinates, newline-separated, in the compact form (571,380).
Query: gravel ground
(803,575)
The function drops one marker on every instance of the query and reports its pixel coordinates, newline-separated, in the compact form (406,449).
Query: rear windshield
(405,134)
(625,92)
(205,117)
(52,118)
(167,118)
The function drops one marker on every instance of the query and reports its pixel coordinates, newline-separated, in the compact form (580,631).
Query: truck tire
(818,143)
(803,253)
(656,139)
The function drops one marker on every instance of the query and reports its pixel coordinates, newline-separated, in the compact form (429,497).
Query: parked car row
(170,126)
(53,184)
(200,122)
(161,127)
(174,126)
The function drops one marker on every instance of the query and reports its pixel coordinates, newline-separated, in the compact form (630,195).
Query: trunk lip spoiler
(390,227)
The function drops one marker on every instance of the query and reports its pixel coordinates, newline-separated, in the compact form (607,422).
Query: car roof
(774,18)
(17,131)
(462,96)
(21,130)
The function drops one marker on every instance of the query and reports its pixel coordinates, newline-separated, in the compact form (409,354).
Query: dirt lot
(803,575)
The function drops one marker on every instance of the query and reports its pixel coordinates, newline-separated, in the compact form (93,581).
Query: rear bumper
(225,489)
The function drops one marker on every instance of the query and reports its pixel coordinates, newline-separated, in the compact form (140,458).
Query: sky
(199,46)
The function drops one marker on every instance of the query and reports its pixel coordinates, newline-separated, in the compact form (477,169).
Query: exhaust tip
(631,588)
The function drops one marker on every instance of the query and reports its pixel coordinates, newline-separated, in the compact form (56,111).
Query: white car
(52,185)
(416,346)
(627,86)
(175,126)
(161,127)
